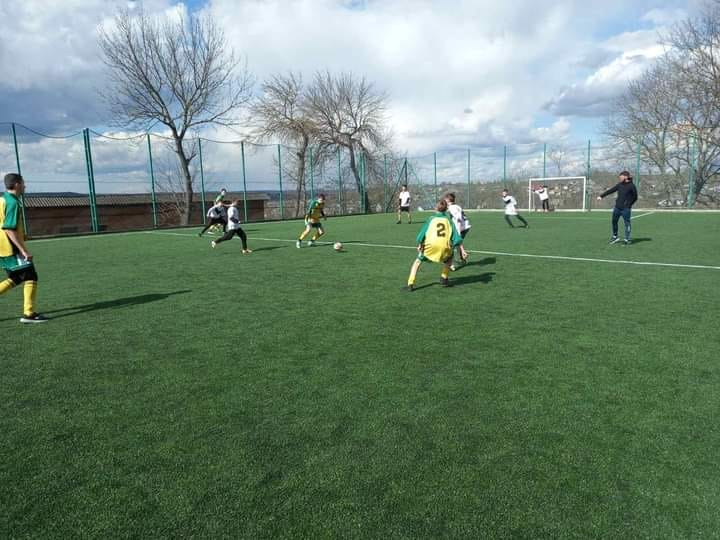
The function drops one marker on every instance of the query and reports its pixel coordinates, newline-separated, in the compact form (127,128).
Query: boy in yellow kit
(437,241)
(315,211)
(15,258)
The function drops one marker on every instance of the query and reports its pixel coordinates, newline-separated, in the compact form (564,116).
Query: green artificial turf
(183,391)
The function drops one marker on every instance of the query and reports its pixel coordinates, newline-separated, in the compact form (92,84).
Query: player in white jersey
(233,227)
(461,222)
(511,208)
(404,204)
(542,193)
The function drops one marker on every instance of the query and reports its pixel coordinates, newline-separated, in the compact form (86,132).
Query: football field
(563,388)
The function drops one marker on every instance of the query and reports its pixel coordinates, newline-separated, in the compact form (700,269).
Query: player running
(461,222)
(15,258)
(315,211)
(436,243)
(404,204)
(511,209)
(233,227)
(216,217)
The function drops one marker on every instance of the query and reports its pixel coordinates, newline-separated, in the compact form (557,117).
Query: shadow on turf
(485,277)
(638,240)
(110,304)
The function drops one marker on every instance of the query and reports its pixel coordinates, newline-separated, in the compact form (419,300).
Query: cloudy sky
(460,73)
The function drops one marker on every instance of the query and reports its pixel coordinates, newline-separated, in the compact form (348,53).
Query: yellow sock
(303,235)
(29,293)
(413,273)
(314,237)
(6,285)
(445,272)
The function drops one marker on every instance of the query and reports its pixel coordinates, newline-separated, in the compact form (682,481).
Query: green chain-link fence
(92,182)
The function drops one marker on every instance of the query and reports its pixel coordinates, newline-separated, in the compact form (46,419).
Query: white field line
(482,252)
(642,215)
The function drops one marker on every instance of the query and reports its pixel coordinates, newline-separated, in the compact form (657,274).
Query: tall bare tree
(280,113)
(176,71)
(350,113)
(672,113)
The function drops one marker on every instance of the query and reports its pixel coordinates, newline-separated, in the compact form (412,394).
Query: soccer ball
(337,246)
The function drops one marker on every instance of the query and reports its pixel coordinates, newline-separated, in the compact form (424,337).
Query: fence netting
(93,181)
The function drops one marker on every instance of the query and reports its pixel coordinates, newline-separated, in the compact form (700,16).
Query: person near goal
(436,242)
(627,195)
(511,209)
(404,204)
(542,193)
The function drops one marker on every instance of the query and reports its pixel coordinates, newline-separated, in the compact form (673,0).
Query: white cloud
(460,72)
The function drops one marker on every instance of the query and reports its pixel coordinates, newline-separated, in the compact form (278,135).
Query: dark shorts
(22,273)
(405,209)
(317,225)
(217,221)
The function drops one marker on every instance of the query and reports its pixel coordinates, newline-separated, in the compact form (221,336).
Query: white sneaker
(452,268)
(310,243)
(213,243)
(298,244)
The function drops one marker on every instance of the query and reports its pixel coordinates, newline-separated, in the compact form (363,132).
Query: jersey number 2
(441,229)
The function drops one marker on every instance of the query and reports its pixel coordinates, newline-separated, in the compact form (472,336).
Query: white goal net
(567,193)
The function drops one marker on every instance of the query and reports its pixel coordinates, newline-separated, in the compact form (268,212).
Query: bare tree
(173,71)
(279,114)
(672,113)
(349,113)
(557,156)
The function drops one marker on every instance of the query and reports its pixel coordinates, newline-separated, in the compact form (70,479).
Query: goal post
(565,192)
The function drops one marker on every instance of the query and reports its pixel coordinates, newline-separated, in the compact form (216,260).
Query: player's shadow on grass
(268,248)
(485,277)
(639,240)
(112,304)
(481,262)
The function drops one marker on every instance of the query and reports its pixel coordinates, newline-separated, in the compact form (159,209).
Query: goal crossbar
(541,181)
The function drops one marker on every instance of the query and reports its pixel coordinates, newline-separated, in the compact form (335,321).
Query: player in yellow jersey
(15,258)
(315,211)
(437,241)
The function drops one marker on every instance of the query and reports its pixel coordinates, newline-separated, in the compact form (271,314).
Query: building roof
(68,199)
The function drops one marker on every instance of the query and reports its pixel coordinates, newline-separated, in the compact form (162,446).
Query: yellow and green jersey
(315,211)
(439,237)
(10,219)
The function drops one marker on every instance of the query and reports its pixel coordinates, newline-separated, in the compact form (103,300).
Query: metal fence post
(245,201)
(691,172)
(202,183)
(19,170)
(282,201)
(468,179)
(340,186)
(504,163)
(637,167)
(588,172)
(91,181)
(312,176)
(385,182)
(152,183)
(435,193)
(545,160)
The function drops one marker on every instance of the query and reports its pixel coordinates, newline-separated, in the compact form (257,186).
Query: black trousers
(507,218)
(215,221)
(546,204)
(232,232)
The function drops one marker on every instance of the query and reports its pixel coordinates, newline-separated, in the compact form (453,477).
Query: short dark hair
(321,196)
(626,173)
(506,189)
(12,179)
(404,185)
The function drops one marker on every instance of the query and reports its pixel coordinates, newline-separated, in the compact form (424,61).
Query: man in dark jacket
(626,197)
